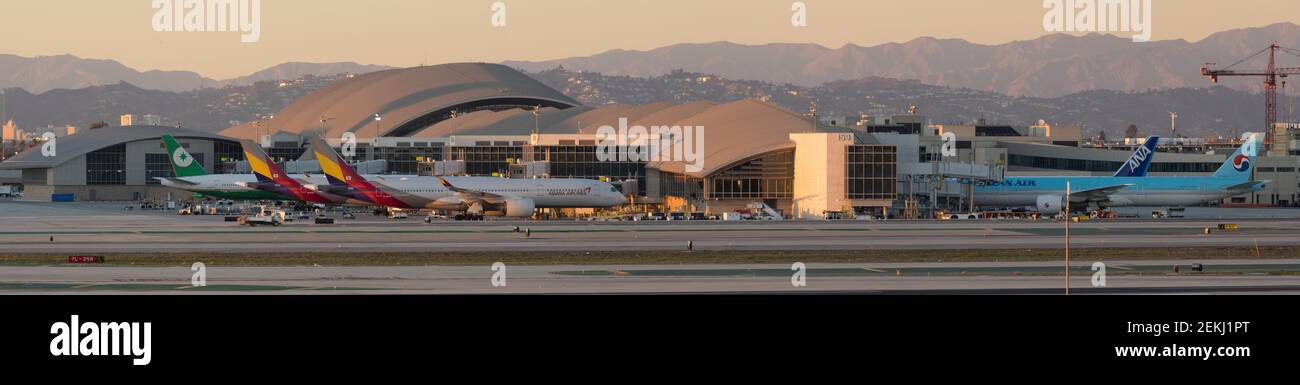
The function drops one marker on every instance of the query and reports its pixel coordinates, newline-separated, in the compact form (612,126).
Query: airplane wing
(473,195)
(1097,194)
(176,181)
(1247,186)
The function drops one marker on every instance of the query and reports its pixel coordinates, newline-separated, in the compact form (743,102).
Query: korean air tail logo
(1241,163)
(182,158)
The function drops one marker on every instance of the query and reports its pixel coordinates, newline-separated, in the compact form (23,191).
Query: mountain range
(1203,112)
(1049,66)
(1100,81)
(43,73)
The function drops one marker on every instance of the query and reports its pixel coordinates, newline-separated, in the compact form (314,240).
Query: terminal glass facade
(404,159)
(227,154)
(871,172)
(769,176)
(579,161)
(106,166)
(486,160)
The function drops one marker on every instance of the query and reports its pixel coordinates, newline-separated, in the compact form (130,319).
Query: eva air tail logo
(182,158)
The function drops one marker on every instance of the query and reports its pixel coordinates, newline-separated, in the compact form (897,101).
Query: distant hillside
(1049,66)
(43,73)
(208,109)
(1203,111)
(294,70)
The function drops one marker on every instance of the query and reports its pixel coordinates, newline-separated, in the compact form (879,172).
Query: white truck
(264,216)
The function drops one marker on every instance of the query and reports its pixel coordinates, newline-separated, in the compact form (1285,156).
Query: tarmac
(87,228)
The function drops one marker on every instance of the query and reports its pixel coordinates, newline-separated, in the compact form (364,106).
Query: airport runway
(1123,277)
(87,228)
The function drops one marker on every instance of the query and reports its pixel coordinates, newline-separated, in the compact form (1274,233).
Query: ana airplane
(1138,163)
(191,177)
(471,194)
(1095,192)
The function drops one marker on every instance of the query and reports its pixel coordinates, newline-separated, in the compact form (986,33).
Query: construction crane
(1270,75)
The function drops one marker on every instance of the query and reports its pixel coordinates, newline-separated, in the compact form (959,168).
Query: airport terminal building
(491,120)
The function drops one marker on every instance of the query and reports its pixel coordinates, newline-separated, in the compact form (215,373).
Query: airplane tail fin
(344,179)
(183,164)
(337,172)
(262,165)
(1238,165)
(1138,163)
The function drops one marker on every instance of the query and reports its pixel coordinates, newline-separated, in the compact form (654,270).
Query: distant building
(128,120)
(10,132)
(151,120)
(71,129)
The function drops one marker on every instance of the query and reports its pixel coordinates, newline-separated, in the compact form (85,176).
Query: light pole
(1068,219)
(375,142)
(1173,124)
(536,113)
(812,111)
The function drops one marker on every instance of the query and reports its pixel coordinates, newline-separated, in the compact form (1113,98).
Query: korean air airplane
(1094,192)
(473,194)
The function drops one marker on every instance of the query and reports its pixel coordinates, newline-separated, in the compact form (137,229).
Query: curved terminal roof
(408,100)
(738,131)
(84,142)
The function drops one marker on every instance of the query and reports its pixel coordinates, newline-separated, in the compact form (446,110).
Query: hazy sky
(410,32)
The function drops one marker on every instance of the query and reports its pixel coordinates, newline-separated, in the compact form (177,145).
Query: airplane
(191,177)
(270,178)
(1097,192)
(471,194)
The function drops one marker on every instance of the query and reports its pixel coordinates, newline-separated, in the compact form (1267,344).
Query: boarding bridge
(944,184)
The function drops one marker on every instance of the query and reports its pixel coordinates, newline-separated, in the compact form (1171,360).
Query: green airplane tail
(182,162)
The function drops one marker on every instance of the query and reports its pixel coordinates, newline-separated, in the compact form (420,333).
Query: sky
(409,33)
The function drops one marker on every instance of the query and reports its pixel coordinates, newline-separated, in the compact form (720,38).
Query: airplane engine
(1050,203)
(519,208)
